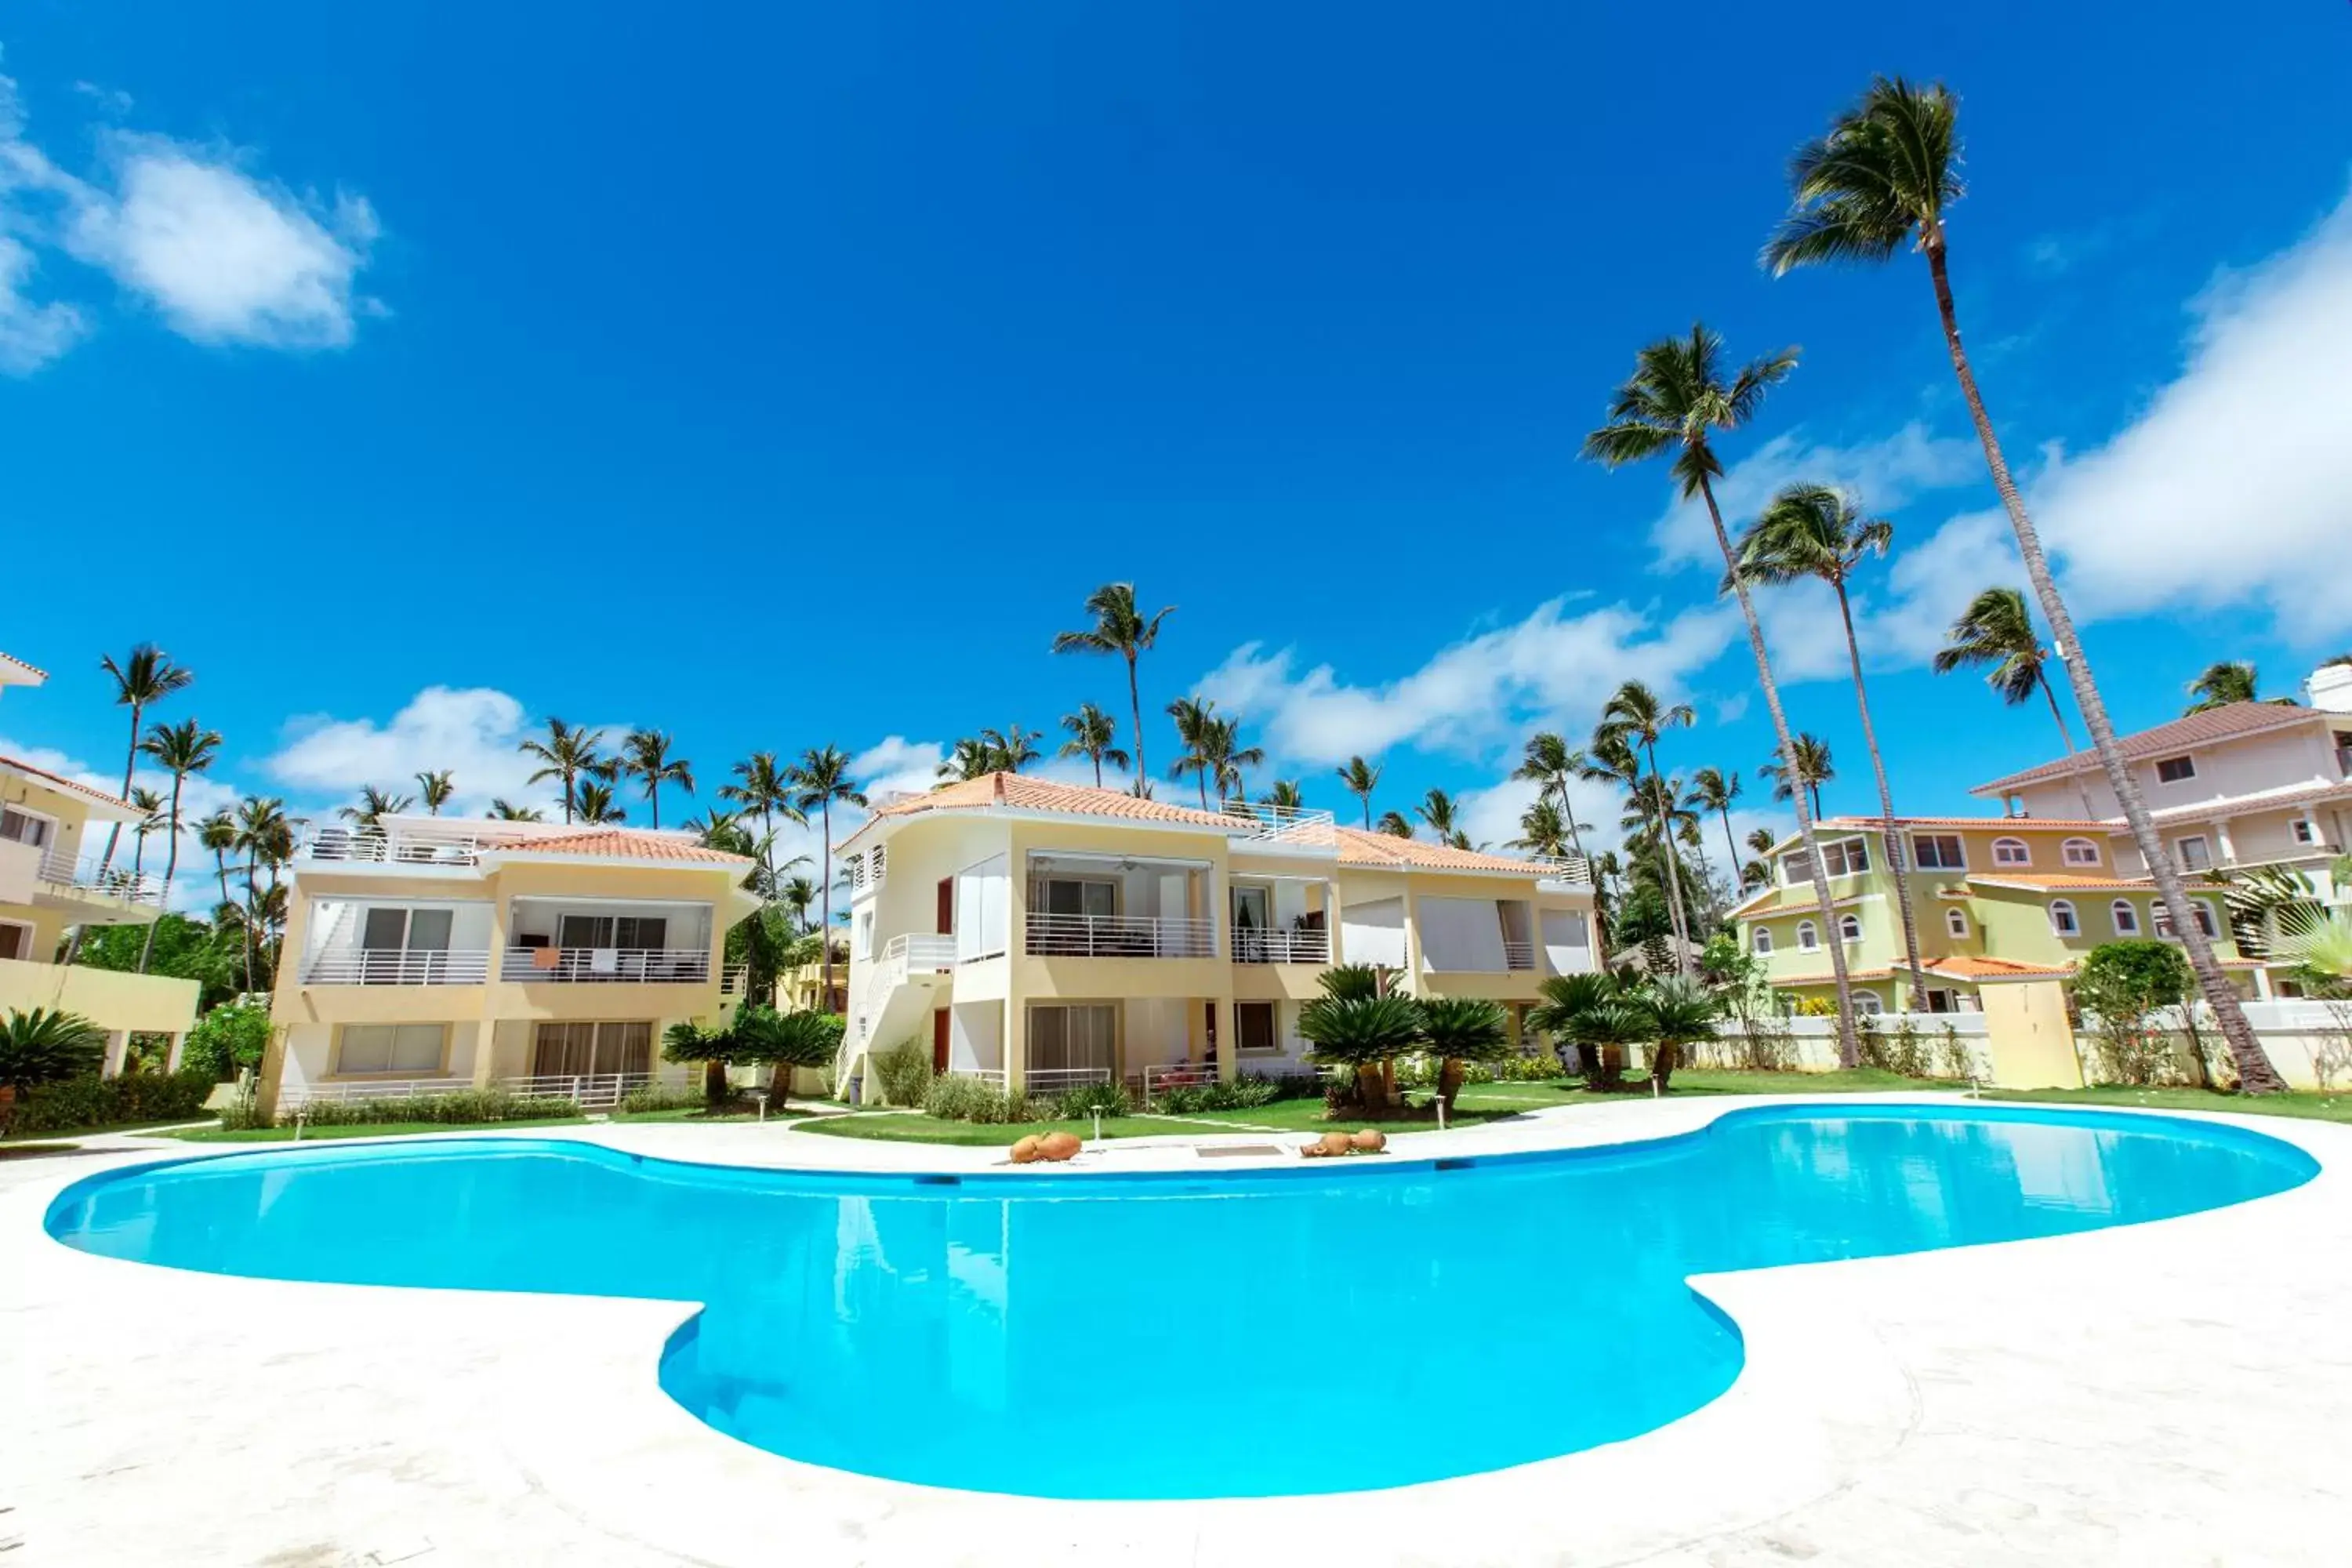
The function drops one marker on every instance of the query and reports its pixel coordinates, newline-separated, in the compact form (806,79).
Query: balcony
(397,966)
(1305,827)
(404,846)
(61,873)
(1255,946)
(1121,936)
(732,979)
(614,965)
(1518,955)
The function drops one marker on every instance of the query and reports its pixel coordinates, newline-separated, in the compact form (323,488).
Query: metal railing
(1518,955)
(1286,823)
(1053,1080)
(398,966)
(1253,945)
(733,978)
(1160,1077)
(60,869)
(564,966)
(993,1077)
(1574,870)
(406,846)
(294,1095)
(588,1090)
(925,952)
(1121,936)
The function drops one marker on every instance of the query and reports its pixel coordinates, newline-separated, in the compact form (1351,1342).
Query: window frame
(1849,918)
(1759,941)
(2185,762)
(2124,915)
(1273,1047)
(1808,937)
(1869,1004)
(2067,855)
(2021,859)
(342,1068)
(2204,849)
(1955,924)
(50,823)
(32,934)
(1959,849)
(2065,920)
(2303,832)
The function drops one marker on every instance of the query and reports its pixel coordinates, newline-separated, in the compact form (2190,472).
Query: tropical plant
(1364,1034)
(1636,716)
(1676,398)
(1437,809)
(1543,830)
(762,787)
(1012,749)
(42,1046)
(434,789)
(567,755)
(1565,998)
(179,749)
(1395,825)
(152,821)
(1283,795)
(818,781)
(1196,725)
(645,756)
(1360,778)
(1812,532)
(504,810)
(1712,789)
(217,834)
(1678,1012)
(1094,735)
(263,833)
(1996,632)
(592,803)
(971,757)
(687,1041)
(144,679)
(228,1040)
(1814,768)
(1119,628)
(2221,684)
(1549,762)
(1883,174)
(1459,1029)
(374,806)
(782,1041)
(2121,985)
(1227,757)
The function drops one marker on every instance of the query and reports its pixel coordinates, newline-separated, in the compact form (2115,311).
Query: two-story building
(427,954)
(54,875)
(1995,899)
(1041,934)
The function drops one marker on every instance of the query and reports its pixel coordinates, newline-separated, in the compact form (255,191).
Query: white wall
(1460,935)
(1374,933)
(1156,1030)
(1568,942)
(976,1035)
(2230,768)
(983,909)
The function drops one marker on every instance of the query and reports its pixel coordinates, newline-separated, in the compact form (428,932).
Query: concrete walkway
(2170,1394)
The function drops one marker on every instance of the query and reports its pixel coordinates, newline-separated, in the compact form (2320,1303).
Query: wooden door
(947,906)
(939,1040)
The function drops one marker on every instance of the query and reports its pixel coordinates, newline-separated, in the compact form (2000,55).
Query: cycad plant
(45,1046)
(1881,177)
(1460,1029)
(1677,1012)
(1364,1034)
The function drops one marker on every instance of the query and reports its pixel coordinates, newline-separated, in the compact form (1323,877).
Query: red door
(939,1040)
(947,906)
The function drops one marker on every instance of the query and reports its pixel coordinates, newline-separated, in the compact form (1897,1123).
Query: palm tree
(263,833)
(1882,175)
(2222,684)
(1543,830)
(1120,628)
(1394,824)
(1714,790)
(435,790)
(218,833)
(1997,629)
(644,754)
(1813,530)
(144,679)
(1814,770)
(1549,762)
(796,895)
(764,786)
(567,755)
(504,810)
(819,778)
(1012,748)
(374,805)
(594,803)
(1637,716)
(1437,808)
(150,806)
(1678,1012)
(1284,797)
(1676,398)
(1226,757)
(1195,722)
(1094,735)
(179,749)
(1655,819)
(970,758)
(1362,778)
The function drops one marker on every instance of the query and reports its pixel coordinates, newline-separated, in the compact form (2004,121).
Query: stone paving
(2168,1394)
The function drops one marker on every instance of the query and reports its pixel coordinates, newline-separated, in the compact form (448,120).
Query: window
(391,1047)
(25,826)
(1798,869)
(2011,852)
(402,929)
(1761,941)
(16,940)
(2204,920)
(1849,928)
(1080,1035)
(2126,918)
(858,870)
(2062,919)
(2079,852)
(2195,855)
(1254,1028)
(588,1049)
(2303,830)
(2175,769)
(1809,936)
(1848,857)
(1867,1003)
(1938,852)
(634,932)
(1956,922)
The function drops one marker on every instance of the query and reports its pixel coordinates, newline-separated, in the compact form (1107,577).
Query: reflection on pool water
(1302,1329)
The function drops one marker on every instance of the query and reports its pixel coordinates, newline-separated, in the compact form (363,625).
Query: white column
(117,1046)
(172,1060)
(2225,852)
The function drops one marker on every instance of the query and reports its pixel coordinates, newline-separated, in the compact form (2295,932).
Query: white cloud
(895,765)
(227,257)
(1884,474)
(32,333)
(112,99)
(472,733)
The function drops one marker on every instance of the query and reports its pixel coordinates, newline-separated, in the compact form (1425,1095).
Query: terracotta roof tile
(1358,847)
(2042,823)
(1018,792)
(2190,730)
(1963,967)
(620,844)
(57,781)
(2062,882)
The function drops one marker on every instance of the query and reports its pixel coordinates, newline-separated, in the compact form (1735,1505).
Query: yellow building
(1041,936)
(1996,900)
(52,842)
(429,953)
(801,986)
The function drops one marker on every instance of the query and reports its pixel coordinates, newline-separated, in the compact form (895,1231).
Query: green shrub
(1245,1093)
(902,1074)
(1517,1069)
(43,1047)
(228,1038)
(90,1100)
(661,1096)
(954,1097)
(465,1106)
(1092,1099)
(243,1111)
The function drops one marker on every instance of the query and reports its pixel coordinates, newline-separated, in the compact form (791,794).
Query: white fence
(408,846)
(1253,945)
(1121,936)
(60,869)
(659,966)
(588,1092)
(397,966)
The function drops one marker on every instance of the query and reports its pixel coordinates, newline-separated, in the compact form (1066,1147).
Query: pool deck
(2173,1392)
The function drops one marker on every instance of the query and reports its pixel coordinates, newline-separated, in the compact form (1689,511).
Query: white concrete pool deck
(2175,1393)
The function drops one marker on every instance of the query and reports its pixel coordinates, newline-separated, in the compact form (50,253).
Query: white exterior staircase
(899,995)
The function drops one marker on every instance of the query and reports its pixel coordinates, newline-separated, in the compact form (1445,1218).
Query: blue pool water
(1311,1329)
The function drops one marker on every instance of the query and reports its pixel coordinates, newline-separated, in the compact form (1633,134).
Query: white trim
(1808,937)
(2023,858)
(2066,855)
(2129,924)
(2073,923)
(32,934)
(1918,865)
(1955,923)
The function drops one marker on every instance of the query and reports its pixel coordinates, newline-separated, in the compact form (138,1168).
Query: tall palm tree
(2229,682)
(1997,631)
(1226,757)
(1814,769)
(150,806)
(1638,716)
(434,789)
(179,749)
(374,806)
(1360,779)
(1195,722)
(1884,175)
(763,786)
(263,835)
(218,833)
(594,804)
(1120,628)
(1284,797)
(1437,808)
(818,780)
(1676,398)
(1813,530)
(795,895)
(1656,818)
(144,679)
(1543,830)
(1395,825)
(1714,790)
(504,810)
(567,755)
(644,756)
(971,757)
(1550,763)
(1094,735)
(1014,748)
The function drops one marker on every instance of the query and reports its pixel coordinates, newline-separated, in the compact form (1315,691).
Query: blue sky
(787,375)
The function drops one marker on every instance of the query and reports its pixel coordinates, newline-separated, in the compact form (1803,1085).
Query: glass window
(25,827)
(2195,854)
(2126,918)
(16,940)
(1956,923)
(1938,852)
(1073,1035)
(1253,1026)
(2303,830)
(1809,936)
(2062,919)
(2174,769)
(391,1047)
(2011,852)
(588,1049)
(1797,868)
(1850,928)
(2081,852)
(1762,940)
(1847,857)
(2205,919)
(1867,1002)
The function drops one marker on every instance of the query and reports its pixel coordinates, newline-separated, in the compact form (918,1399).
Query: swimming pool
(1300,1330)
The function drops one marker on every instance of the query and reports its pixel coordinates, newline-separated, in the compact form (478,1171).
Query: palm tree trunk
(1134,710)
(1734,844)
(824,936)
(1098,757)
(652,801)
(171,869)
(1674,871)
(1895,858)
(2255,1073)
(2065,737)
(252,876)
(114,834)
(1848,1048)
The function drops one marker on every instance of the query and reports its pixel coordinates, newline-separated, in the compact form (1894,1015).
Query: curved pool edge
(593,1430)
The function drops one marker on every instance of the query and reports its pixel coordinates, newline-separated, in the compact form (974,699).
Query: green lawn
(107,1127)
(365,1129)
(2318,1106)
(29,1147)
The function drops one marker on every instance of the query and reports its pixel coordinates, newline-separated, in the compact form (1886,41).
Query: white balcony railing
(1252,946)
(910,953)
(1299,824)
(1518,955)
(397,966)
(295,1095)
(563,965)
(404,846)
(1053,1080)
(1121,936)
(1160,1077)
(62,870)
(588,1090)
(733,978)
(1574,870)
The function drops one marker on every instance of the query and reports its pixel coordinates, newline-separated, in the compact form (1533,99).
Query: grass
(362,1130)
(2297,1102)
(12,1151)
(108,1127)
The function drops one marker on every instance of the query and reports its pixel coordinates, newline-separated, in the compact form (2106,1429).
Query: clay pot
(1337,1144)
(1313,1151)
(1058,1145)
(1025,1150)
(1370,1140)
